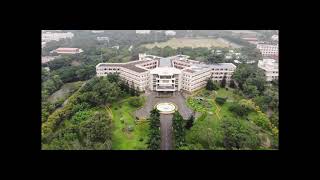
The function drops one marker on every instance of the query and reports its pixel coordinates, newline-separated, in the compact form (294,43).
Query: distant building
(143,31)
(97,31)
(43,44)
(236,61)
(45,59)
(252,40)
(67,51)
(218,52)
(275,37)
(270,67)
(170,33)
(115,47)
(103,38)
(268,49)
(49,36)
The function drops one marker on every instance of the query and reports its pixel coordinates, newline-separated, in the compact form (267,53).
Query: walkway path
(166,131)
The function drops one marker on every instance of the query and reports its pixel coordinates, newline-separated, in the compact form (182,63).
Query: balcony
(165,88)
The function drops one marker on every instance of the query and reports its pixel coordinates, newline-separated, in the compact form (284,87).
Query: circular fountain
(166,108)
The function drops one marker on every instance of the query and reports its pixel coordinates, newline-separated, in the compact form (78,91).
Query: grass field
(190,42)
(65,91)
(122,118)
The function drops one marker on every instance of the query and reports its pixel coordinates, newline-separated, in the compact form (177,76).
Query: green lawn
(123,116)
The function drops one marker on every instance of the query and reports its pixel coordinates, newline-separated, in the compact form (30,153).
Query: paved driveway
(165,119)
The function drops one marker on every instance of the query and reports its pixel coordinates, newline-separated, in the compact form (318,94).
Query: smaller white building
(170,33)
(115,47)
(45,59)
(97,31)
(271,68)
(43,44)
(143,31)
(103,38)
(275,37)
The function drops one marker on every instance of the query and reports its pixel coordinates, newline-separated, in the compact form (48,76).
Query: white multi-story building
(67,51)
(167,74)
(49,36)
(270,67)
(268,49)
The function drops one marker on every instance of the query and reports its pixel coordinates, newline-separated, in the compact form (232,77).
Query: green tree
(135,101)
(154,133)
(220,100)
(114,77)
(178,130)
(189,122)
(223,82)
(232,84)
(96,133)
(209,85)
(250,91)
(238,109)
(132,89)
(238,135)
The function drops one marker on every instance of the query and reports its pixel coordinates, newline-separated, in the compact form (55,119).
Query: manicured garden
(128,134)
(207,132)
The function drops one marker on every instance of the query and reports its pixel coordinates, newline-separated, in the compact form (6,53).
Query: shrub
(220,100)
(247,104)
(135,101)
(141,139)
(238,110)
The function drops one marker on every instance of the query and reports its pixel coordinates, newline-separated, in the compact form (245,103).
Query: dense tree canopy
(178,126)
(237,135)
(154,133)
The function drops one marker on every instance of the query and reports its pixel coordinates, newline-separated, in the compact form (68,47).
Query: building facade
(169,74)
(268,49)
(270,67)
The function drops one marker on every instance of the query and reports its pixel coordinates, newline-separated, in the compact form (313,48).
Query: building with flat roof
(67,51)
(143,31)
(168,74)
(45,59)
(50,36)
(270,67)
